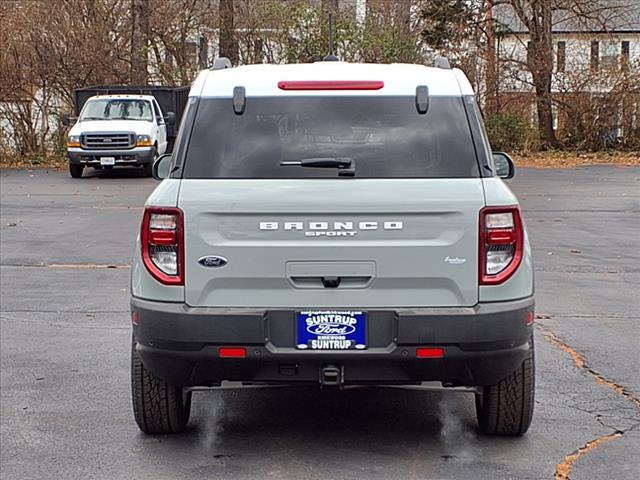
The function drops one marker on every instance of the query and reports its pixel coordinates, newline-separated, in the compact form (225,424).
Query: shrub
(506,132)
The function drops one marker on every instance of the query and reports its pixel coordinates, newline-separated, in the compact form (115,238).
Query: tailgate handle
(332,274)
(331,282)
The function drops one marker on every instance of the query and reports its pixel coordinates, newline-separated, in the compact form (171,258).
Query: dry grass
(51,163)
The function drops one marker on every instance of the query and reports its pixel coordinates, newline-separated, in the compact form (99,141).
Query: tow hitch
(331,376)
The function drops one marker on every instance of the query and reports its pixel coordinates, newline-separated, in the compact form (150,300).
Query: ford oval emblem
(212,261)
(331,328)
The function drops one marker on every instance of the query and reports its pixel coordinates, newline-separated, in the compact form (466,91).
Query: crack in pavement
(67,265)
(563,468)
(44,323)
(546,316)
(582,364)
(84,312)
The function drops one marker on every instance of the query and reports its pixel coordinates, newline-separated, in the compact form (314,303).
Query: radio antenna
(331,57)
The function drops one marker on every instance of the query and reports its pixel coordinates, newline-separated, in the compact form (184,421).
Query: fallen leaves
(564,159)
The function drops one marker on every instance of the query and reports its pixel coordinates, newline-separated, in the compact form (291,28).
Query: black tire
(75,170)
(506,408)
(157,406)
(147,168)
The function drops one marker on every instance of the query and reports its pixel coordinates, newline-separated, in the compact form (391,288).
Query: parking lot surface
(66,247)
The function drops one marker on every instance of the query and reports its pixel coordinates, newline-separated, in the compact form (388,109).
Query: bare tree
(228,41)
(536,15)
(179,44)
(539,17)
(490,57)
(139,41)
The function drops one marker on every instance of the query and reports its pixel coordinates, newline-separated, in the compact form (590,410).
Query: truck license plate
(107,160)
(331,330)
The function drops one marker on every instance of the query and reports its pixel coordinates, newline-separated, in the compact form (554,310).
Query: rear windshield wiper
(346,166)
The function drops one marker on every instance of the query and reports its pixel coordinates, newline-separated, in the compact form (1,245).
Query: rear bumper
(482,345)
(133,156)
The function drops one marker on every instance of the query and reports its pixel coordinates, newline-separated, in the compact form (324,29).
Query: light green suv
(333,224)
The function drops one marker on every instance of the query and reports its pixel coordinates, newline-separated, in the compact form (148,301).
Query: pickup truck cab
(118,130)
(333,224)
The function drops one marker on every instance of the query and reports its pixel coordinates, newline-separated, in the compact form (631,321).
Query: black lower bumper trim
(122,157)
(482,345)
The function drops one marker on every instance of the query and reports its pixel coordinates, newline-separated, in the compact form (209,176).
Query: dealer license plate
(331,330)
(107,160)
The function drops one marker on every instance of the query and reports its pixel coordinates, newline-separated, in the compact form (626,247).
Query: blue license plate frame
(331,330)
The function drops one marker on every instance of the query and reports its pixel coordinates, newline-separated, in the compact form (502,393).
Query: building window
(168,59)
(191,53)
(533,115)
(609,54)
(625,54)
(561,56)
(595,56)
(203,52)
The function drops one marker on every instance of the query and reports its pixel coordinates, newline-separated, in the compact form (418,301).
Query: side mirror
(65,119)
(504,165)
(170,118)
(161,167)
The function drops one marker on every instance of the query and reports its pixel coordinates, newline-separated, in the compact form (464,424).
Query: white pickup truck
(121,129)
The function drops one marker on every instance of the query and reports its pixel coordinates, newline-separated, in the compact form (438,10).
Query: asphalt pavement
(66,246)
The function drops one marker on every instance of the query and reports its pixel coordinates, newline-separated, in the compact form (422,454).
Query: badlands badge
(331,330)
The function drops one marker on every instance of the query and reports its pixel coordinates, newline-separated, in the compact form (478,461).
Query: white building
(595,60)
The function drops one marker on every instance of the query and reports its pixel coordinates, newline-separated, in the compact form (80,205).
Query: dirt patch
(561,159)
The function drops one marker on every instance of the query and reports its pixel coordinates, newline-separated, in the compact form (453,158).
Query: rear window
(385,136)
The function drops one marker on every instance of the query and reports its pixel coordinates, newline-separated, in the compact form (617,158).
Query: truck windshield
(117,109)
(384,136)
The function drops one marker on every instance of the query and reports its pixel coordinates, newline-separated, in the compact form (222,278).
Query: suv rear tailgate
(391,242)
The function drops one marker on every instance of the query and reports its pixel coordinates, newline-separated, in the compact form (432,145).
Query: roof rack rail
(221,63)
(442,62)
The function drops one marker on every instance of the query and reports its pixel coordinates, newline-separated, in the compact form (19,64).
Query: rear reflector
(430,352)
(162,237)
(331,85)
(500,237)
(529,318)
(232,352)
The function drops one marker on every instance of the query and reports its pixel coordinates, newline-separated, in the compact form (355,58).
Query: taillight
(162,239)
(501,243)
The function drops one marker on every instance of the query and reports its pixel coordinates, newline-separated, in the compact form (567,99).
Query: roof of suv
(399,79)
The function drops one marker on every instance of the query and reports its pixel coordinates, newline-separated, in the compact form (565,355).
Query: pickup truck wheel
(506,408)
(148,167)
(76,170)
(157,406)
